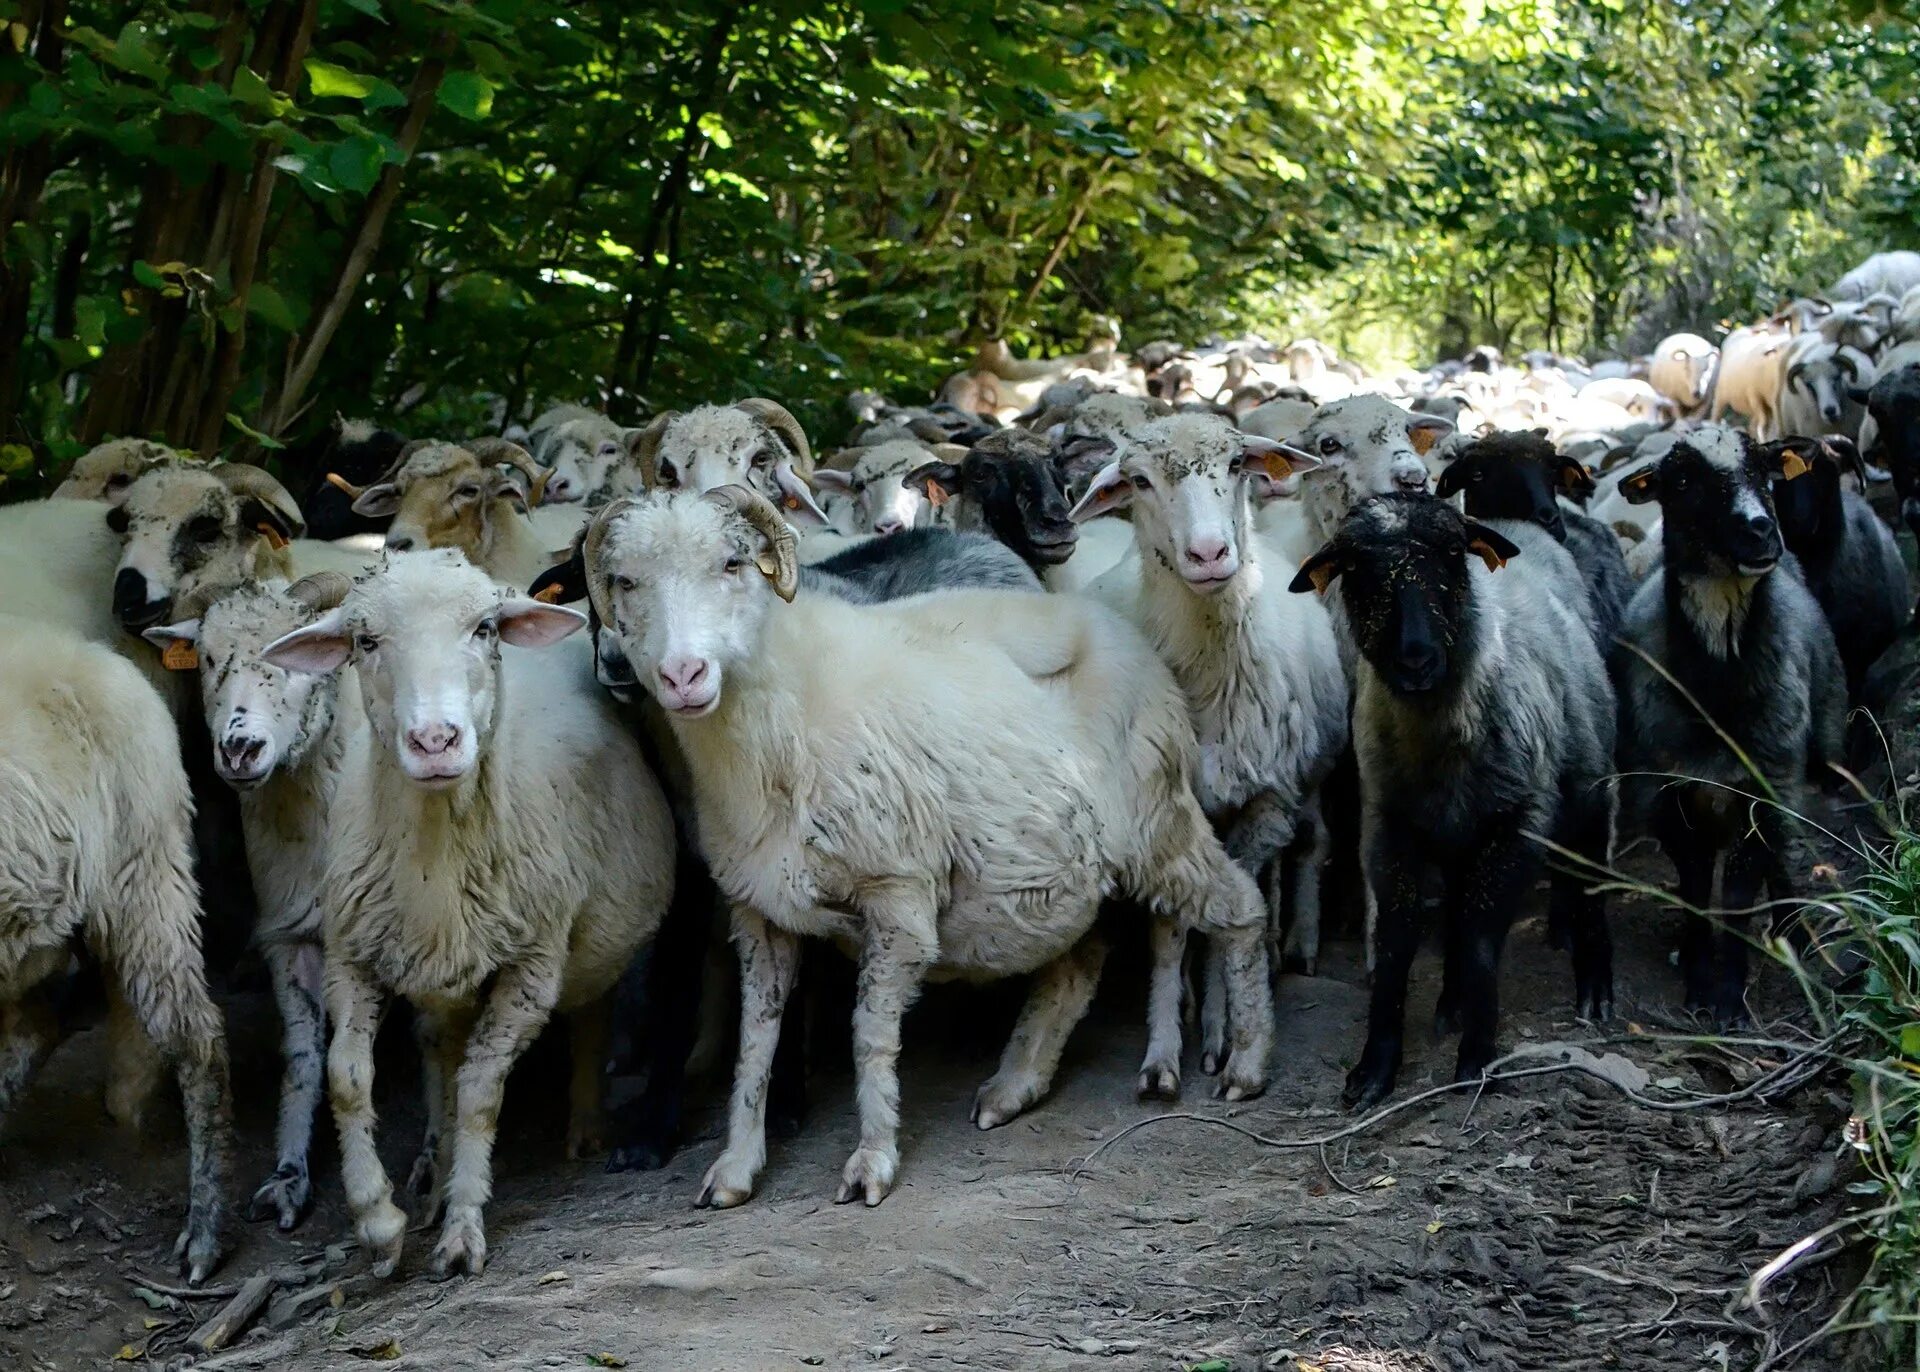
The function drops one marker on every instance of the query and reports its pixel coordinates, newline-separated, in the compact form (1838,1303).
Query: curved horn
(778,418)
(498,450)
(1844,359)
(321,591)
(243,479)
(200,599)
(590,544)
(782,547)
(643,446)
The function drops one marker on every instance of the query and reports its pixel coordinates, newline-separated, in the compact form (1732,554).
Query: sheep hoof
(420,1180)
(382,1231)
(586,1136)
(1367,1087)
(462,1247)
(1159,1081)
(1240,1086)
(1005,1096)
(1212,1060)
(197,1251)
(285,1197)
(729,1182)
(868,1177)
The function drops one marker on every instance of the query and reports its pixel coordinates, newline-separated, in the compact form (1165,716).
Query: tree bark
(23,176)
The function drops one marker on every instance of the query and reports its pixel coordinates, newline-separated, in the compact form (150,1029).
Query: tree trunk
(23,175)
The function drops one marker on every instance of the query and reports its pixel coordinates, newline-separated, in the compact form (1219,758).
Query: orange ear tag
(1487,555)
(549,595)
(1321,576)
(274,537)
(180,656)
(936,493)
(1793,465)
(1423,439)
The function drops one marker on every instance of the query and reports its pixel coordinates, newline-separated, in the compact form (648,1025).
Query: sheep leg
(1396,884)
(355,1006)
(1486,891)
(1747,865)
(591,1028)
(1692,855)
(134,1064)
(1454,956)
(518,1007)
(1301,951)
(1213,1010)
(440,1028)
(298,974)
(1160,1072)
(769,956)
(29,1029)
(1586,829)
(787,1093)
(899,948)
(1189,876)
(1061,993)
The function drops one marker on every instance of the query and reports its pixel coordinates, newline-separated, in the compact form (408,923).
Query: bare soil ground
(1552,1224)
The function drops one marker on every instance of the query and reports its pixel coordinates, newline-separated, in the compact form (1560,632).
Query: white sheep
(499,851)
(1814,385)
(885,503)
(582,455)
(106,471)
(1748,377)
(755,443)
(1260,670)
(96,824)
(948,785)
(1891,273)
(278,739)
(1682,370)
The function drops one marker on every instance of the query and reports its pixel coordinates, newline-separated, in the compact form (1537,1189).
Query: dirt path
(1552,1225)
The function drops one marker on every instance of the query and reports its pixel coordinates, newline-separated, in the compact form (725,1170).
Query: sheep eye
(734,565)
(1329,444)
(366,643)
(118,480)
(609,450)
(206,529)
(761,458)
(1142,483)
(466,492)
(624,582)
(485,629)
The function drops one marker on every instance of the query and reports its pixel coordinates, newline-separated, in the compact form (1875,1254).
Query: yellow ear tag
(1487,555)
(1571,481)
(1423,439)
(936,493)
(1793,465)
(549,595)
(792,502)
(274,537)
(1321,576)
(180,656)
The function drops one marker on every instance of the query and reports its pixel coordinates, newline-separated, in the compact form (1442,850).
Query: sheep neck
(1714,609)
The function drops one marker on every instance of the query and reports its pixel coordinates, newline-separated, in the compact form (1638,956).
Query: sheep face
(1006,487)
(1402,562)
(1516,476)
(583,453)
(444,496)
(1187,477)
(728,445)
(684,586)
(1367,446)
(424,631)
(885,502)
(1811,510)
(107,472)
(1894,403)
(1822,371)
(260,716)
(185,528)
(1715,489)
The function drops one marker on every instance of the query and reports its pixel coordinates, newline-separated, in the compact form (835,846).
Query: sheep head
(188,527)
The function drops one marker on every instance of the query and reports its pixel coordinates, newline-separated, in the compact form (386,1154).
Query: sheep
(1261,673)
(57,565)
(754,442)
(1890,273)
(278,739)
(356,452)
(1748,375)
(539,435)
(1484,724)
(1636,524)
(478,497)
(1518,476)
(1847,556)
(448,885)
(105,472)
(1814,393)
(581,456)
(1893,409)
(96,823)
(1638,398)
(957,782)
(1367,446)
(1682,371)
(184,527)
(1004,486)
(878,486)
(1727,664)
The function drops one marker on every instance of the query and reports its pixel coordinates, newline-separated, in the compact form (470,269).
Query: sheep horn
(321,591)
(782,547)
(200,599)
(340,483)
(780,419)
(501,450)
(590,544)
(243,479)
(643,446)
(1844,359)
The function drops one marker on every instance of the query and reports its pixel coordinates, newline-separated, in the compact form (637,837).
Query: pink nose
(1411,481)
(558,488)
(683,674)
(1207,552)
(888,524)
(433,740)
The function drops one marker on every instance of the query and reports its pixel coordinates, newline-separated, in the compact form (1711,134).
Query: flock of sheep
(1078,651)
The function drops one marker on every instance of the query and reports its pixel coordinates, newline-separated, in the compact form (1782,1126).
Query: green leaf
(370,8)
(15,458)
(250,90)
(1910,1042)
(148,275)
(356,163)
(466,94)
(326,80)
(270,307)
(253,433)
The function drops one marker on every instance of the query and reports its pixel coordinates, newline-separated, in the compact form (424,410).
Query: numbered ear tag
(180,656)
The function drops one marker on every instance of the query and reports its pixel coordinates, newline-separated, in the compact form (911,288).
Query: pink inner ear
(529,624)
(315,649)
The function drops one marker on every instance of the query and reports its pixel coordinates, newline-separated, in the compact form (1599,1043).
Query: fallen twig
(185,1293)
(235,1315)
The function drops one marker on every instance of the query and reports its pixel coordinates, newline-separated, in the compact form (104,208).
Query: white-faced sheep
(830,804)
(1815,387)
(1260,671)
(105,472)
(1682,371)
(499,852)
(754,443)
(278,739)
(581,455)
(1484,724)
(96,824)
(1729,677)
(884,500)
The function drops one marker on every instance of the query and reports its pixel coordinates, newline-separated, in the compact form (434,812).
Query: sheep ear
(1858,394)
(1575,479)
(532,624)
(563,584)
(1793,463)
(940,481)
(179,644)
(1425,430)
(1641,487)
(833,479)
(1452,481)
(796,497)
(377,502)
(1318,572)
(1109,491)
(1494,549)
(323,646)
(511,485)
(1277,460)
